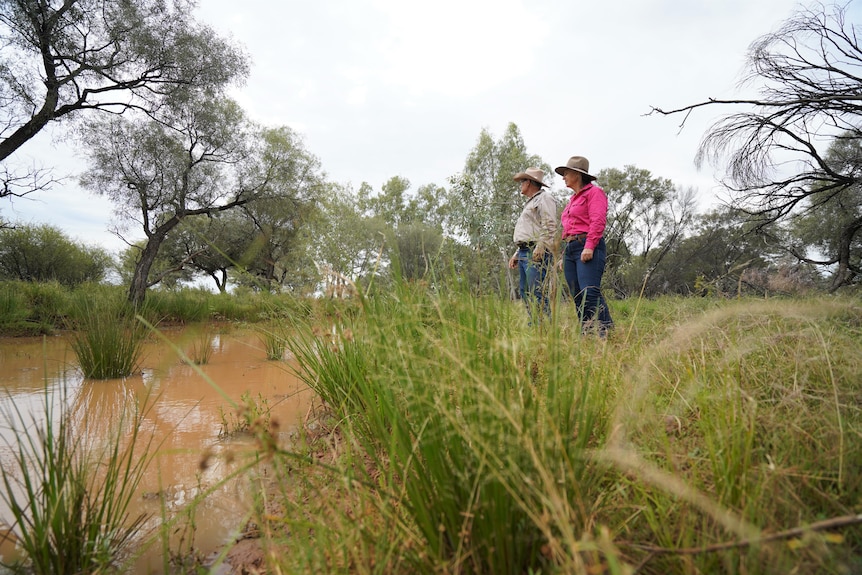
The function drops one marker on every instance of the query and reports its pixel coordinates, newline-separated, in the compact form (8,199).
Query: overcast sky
(381,88)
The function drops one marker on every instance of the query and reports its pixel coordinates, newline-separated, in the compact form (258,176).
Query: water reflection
(188,408)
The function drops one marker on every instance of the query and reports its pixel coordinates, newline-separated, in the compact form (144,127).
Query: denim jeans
(534,284)
(585,280)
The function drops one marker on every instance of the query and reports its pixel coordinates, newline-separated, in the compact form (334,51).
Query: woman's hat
(578,164)
(532,174)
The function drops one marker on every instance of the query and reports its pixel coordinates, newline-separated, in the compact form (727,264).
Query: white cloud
(457,48)
(399,87)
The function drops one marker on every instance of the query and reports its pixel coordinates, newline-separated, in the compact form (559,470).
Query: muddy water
(191,408)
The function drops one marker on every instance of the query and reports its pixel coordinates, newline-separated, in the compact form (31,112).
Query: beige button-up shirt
(538,221)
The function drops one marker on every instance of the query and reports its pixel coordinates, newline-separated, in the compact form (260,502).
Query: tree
(411,223)
(43,254)
(165,266)
(809,92)
(212,246)
(484,204)
(64,57)
(345,242)
(823,231)
(202,158)
(713,258)
(646,217)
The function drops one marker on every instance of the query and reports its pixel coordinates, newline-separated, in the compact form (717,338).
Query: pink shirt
(586,212)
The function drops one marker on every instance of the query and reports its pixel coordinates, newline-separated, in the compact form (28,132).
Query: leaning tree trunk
(140,278)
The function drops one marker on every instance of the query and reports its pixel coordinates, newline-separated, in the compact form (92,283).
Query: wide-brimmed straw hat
(532,174)
(578,164)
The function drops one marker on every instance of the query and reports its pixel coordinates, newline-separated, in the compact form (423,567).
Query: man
(534,236)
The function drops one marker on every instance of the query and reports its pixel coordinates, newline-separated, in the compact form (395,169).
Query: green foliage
(15,312)
(464,441)
(184,305)
(104,55)
(484,203)
(723,255)
(647,217)
(472,432)
(44,254)
(250,416)
(829,225)
(108,338)
(69,492)
(274,338)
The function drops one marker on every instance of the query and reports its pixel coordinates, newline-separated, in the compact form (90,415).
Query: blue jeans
(534,287)
(585,280)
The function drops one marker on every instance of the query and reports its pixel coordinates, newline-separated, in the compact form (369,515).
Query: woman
(584,255)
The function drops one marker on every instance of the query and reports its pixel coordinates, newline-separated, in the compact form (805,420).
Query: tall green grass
(743,422)
(702,437)
(68,493)
(467,433)
(28,308)
(108,338)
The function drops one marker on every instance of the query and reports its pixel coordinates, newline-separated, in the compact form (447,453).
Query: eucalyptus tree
(647,215)
(169,269)
(719,249)
(412,222)
(808,80)
(62,58)
(484,203)
(345,241)
(199,159)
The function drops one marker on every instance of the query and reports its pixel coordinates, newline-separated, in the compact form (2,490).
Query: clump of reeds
(700,437)
(68,494)
(201,348)
(273,336)
(107,337)
(249,415)
(466,436)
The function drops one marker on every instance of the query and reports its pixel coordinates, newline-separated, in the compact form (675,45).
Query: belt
(579,237)
(526,245)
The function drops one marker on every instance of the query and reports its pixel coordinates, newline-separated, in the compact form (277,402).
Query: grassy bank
(28,309)
(704,436)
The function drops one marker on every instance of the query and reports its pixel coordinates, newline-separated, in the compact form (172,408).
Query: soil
(246,557)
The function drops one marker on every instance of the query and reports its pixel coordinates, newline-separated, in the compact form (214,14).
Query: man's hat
(532,174)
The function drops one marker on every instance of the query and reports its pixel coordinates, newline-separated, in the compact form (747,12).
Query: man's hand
(513,262)
(539,253)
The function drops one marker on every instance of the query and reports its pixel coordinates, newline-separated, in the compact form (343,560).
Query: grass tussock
(108,337)
(702,437)
(68,491)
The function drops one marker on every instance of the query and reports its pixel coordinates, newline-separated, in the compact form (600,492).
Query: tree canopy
(198,159)
(64,57)
(808,79)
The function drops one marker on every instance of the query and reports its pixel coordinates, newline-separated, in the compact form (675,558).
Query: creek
(188,417)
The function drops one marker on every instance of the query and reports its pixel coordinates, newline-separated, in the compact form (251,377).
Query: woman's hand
(586,255)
